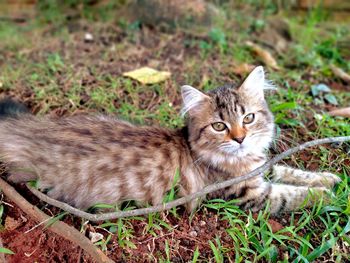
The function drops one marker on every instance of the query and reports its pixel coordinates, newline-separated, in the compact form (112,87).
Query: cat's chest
(234,168)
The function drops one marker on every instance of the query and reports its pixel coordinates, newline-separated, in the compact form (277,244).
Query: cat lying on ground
(84,160)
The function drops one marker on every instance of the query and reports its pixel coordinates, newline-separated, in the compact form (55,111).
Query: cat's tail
(11,109)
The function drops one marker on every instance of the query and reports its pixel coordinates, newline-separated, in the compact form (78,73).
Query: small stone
(336,145)
(94,237)
(88,37)
(193,233)
(186,242)
(24,219)
(176,259)
(226,238)
(347,149)
(202,223)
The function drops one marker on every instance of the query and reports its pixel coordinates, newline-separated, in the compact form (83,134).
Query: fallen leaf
(113,229)
(340,73)
(275,226)
(11,223)
(330,98)
(94,237)
(343,112)
(319,88)
(243,69)
(265,55)
(148,75)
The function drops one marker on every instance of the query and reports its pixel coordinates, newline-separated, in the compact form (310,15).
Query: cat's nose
(239,139)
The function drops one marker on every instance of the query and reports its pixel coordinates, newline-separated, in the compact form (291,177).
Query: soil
(32,242)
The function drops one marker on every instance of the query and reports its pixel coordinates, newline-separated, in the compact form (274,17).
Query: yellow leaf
(148,75)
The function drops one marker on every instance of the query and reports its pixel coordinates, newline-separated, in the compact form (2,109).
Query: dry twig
(266,56)
(59,227)
(340,73)
(208,189)
(342,112)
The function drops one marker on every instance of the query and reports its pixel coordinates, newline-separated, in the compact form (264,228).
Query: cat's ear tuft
(192,98)
(254,84)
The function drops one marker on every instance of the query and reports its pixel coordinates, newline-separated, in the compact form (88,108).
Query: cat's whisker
(228,146)
(225,146)
(226,149)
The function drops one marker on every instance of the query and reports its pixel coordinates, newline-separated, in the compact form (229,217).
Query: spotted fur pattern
(84,160)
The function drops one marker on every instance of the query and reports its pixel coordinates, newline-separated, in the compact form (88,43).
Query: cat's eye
(249,118)
(219,126)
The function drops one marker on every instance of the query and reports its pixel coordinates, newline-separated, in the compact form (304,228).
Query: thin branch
(13,19)
(59,227)
(206,190)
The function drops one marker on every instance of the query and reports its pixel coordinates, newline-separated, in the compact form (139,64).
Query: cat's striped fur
(84,160)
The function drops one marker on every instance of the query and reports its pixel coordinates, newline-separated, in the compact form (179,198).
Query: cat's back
(92,158)
(84,137)
(100,130)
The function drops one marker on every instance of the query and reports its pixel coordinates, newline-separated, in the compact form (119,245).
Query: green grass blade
(55,219)
(217,253)
(6,251)
(195,255)
(323,248)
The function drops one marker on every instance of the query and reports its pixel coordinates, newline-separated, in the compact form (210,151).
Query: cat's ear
(192,99)
(254,84)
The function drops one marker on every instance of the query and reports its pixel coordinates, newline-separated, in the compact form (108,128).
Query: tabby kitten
(84,160)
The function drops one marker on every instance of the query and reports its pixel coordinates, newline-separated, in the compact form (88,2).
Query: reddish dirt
(33,243)
(36,244)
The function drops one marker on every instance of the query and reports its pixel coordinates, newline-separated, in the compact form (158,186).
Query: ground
(47,63)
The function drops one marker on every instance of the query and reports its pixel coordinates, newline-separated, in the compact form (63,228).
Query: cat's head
(229,122)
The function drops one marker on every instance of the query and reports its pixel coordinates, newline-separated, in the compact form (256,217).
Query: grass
(77,76)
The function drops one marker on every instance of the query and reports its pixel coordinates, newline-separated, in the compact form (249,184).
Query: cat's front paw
(329,180)
(317,193)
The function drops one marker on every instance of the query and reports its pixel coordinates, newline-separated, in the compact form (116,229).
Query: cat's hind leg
(287,175)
